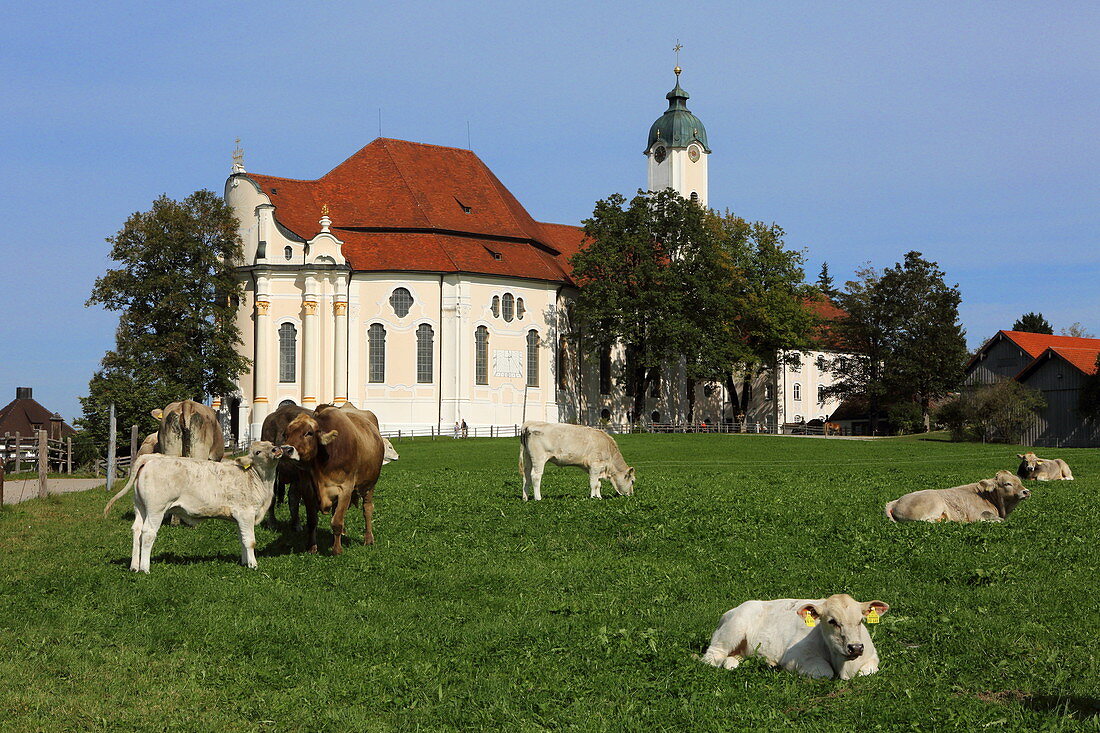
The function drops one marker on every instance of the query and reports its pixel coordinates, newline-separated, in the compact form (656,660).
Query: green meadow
(475,610)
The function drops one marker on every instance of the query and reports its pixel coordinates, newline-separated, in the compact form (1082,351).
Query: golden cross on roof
(677,48)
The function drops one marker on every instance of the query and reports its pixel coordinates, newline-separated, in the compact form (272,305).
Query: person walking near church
(457,430)
(465,430)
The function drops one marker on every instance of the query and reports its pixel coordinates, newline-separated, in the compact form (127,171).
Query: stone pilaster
(261,368)
(311,335)
(340,343)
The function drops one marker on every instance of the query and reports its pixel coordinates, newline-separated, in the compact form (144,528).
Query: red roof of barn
(1082,359)
(399,205)
(1035,344)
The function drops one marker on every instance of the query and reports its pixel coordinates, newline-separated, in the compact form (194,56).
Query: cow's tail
(523,433)
(890,510)
(135,468)
(187,413)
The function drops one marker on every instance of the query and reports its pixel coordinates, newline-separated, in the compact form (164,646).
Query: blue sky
(967,131)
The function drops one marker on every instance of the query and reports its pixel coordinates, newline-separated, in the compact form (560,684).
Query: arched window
(605,370)
(508,305)
(288,352)
(820,398)
(520,310)
(425,337)
(694,197)
(288,253)
(795,362)
(376,355)
(796,391)
(401,300)
(287,403)
(605,414)
(481,355)
(496,306)
(532,358)
(655,417)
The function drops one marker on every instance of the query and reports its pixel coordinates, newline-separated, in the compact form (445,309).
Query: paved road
(23,489)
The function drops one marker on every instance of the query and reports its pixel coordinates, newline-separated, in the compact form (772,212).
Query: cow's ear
(1020,456)
(630,473)
(807,610)
(245,462)
(987,484)
(878,606)
(157,413)
(328,437)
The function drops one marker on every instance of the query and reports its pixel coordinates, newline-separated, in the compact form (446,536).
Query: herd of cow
(331,457)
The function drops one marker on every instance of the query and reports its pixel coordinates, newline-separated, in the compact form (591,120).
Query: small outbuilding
(24,415)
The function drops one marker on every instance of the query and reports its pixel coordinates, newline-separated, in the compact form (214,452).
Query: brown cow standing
(289,473)
(189,429)
(343,453)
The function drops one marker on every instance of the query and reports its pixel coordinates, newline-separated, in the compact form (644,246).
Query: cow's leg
(338,521)
(368,514)
(594,485)
(536,479)
(149,531)
(525,470)
(310,499)
(139,522)
(247,532)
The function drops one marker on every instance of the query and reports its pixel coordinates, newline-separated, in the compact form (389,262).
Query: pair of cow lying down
(988,500)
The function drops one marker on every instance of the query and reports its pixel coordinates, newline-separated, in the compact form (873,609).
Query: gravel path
(19,490)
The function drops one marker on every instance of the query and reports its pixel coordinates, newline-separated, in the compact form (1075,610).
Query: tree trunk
(691,399)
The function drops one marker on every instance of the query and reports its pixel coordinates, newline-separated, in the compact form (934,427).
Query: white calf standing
(195,489)
(822,638)
(572,445)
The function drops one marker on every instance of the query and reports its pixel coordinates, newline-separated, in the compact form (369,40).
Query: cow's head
(839,619)
(390,455)
(623,481)
(262,457)
(1005,491)
(304,438)
(1029,465)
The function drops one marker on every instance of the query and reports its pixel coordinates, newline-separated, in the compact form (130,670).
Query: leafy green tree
(674,283)
(1089,400)
(904,334)
(177,298)
(1033,323)
(998,412)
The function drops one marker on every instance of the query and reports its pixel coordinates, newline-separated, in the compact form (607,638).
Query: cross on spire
(677,48)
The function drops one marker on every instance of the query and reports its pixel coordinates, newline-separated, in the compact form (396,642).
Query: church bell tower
(677,150)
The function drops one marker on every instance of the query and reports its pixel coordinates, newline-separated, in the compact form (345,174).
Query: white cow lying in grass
(822,638)
(1032,467)
(195,489)
(572,445)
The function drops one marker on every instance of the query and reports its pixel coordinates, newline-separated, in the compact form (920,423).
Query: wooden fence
(33,452)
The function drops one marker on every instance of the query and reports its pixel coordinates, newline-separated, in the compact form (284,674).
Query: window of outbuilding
(401,301)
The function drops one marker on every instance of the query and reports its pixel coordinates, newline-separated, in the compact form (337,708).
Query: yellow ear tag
(872,616)
(810,620)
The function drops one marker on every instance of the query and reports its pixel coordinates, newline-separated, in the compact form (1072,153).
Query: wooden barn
(1056,366)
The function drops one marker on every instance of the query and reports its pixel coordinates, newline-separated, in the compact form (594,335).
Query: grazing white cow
(1032,467)
(988,500)
(818,638)
(195,489)
(390,454)
(572,445)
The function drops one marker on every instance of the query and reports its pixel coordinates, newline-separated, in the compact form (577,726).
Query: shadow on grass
(1075,706)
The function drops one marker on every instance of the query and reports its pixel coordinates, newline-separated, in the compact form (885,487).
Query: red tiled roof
(1082,359)
(1034,344)
(400,205)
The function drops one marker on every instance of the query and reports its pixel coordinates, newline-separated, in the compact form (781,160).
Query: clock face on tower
(659,154)
(693,154)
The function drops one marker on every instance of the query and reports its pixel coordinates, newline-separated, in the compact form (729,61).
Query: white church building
(410,281)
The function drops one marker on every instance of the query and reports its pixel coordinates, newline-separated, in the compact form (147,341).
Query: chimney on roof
(23,393)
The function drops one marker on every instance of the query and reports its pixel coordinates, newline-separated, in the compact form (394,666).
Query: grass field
(476,610)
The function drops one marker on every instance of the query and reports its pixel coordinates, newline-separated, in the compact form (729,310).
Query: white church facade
(409,280)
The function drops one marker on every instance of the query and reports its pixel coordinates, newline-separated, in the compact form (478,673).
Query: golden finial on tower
(324,209)
(677,48)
